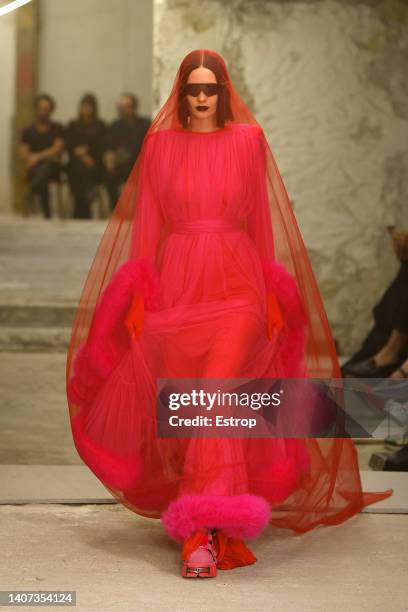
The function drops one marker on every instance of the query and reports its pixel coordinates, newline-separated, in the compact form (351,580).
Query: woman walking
(202,274)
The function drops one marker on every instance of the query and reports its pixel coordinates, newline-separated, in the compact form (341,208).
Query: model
(202,274)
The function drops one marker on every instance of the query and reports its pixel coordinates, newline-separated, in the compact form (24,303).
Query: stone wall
(326,80)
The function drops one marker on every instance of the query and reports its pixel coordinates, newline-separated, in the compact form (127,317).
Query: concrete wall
(327,80)
(103,46)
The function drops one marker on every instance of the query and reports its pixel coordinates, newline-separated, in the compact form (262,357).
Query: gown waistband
(206,225)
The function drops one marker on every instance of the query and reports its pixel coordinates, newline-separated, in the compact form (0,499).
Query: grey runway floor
(117,561)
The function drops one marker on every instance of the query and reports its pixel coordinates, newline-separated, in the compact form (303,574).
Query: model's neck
(202,125)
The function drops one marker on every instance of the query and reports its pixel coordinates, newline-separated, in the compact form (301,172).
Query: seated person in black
(85,139)
(124,140)
(384,352)
(41,145)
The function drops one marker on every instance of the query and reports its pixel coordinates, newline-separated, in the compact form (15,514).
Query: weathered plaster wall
(327,81)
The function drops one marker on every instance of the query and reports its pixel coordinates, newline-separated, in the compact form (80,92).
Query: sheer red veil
(333,490)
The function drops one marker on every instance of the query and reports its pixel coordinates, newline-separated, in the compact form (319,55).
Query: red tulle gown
(218,304)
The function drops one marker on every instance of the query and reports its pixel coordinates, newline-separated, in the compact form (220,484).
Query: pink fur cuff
(240,516)
(107,341)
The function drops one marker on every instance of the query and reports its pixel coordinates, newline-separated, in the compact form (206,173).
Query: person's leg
(81,208)
(401,320)
(381,349)
(391,350)
(230,349)
(112,186)
(382,364)
(214,492)
(224,457)
(401,371)
(44,195)
(81,186)
(40,177)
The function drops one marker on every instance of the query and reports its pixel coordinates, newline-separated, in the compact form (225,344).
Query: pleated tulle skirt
(211,323)
(222,339)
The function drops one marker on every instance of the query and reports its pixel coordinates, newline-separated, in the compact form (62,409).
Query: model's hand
(135,316)
(274,314)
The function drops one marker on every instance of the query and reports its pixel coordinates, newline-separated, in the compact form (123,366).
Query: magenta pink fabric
(204,230)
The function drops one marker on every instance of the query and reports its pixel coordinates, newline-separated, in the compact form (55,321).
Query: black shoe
(390,462)
(369,369)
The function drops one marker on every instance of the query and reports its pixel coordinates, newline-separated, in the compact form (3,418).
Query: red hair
(215,63)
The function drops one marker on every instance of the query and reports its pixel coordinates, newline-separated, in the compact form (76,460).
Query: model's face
(202,106)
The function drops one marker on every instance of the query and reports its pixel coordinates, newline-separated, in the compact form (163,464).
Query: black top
(38,141)
(92,135)
(125,138)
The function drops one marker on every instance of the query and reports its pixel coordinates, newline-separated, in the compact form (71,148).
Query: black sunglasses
(209,89)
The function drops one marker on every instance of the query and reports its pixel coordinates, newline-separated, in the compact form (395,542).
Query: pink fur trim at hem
(240,516)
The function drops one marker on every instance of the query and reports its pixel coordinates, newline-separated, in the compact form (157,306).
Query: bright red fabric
(274,314)
(231,552)
(135,316)
(208,213)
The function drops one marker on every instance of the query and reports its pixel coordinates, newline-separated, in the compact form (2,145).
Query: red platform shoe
(199,556)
